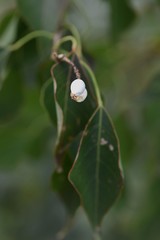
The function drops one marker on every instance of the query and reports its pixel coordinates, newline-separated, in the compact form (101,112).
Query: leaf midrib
(98,164)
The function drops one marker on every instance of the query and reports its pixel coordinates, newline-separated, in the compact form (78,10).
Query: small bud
(77,87)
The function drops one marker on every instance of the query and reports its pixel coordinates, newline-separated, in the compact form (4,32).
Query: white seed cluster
(78,90)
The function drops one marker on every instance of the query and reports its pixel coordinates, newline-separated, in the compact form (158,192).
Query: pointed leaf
(72,117)
(96,174)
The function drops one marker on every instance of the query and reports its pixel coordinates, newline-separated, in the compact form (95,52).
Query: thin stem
(97,234)
(75,69)
(40,33)
(61,235)
(66,39)
(64,7)
(99,99)
(61,57)
(75,33)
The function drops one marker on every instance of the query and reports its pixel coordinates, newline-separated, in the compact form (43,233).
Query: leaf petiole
(66,39)
(99,99)
(21,42)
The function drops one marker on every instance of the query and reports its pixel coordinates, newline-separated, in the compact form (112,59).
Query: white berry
(82,97)
(79,98)
(77,87)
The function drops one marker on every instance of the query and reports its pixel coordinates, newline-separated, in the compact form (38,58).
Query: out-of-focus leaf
(40,14)
(47,98)
(60,181)
(91,18)
(8,28)
(126,137)
(96,173)
(71,116)
(153,89)
(61,185)
(11,96)
(122,16)
(4,54)
(17,136)
(27,60)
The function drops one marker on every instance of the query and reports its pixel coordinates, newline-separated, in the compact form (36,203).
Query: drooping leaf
(60,181)
(72,117)
(61,185)
(96,173)
(73,121)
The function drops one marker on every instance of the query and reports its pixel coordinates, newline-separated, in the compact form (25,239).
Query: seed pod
(77,87)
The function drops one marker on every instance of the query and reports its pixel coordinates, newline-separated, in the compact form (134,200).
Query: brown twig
(61,57)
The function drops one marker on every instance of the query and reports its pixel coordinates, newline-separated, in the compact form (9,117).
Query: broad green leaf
(96,173)
(71,116)
(73,121)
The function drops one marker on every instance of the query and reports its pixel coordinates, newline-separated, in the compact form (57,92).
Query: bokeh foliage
(121,42)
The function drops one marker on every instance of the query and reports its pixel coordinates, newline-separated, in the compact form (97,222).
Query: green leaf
(72,117)
(60,181)
(96,173)
(61,185)
(19,136)
(73,120)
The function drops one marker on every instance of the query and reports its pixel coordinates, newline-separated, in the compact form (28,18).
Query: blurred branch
(65,230)
(28,38)
(64,8)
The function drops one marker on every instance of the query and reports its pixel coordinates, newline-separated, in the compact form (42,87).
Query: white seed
(82,97)
(79,98)
(77,87)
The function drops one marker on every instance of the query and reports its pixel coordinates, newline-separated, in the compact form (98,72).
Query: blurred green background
(121,40)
